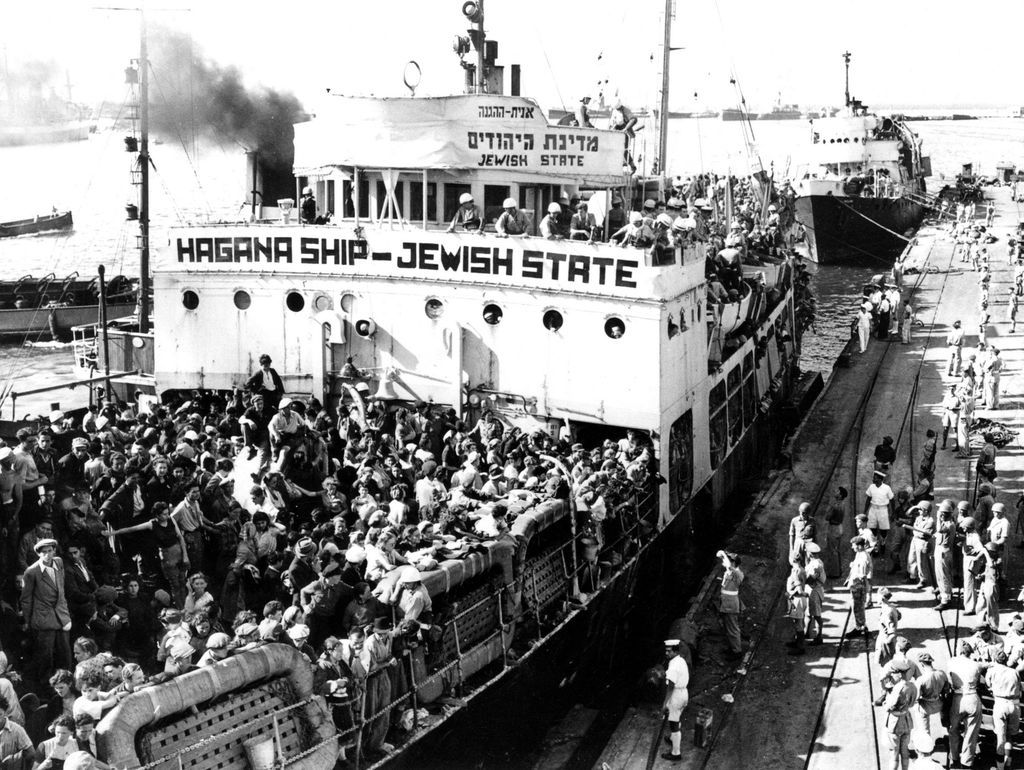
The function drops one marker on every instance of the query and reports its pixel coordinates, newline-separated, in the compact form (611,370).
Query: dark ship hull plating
(843,230)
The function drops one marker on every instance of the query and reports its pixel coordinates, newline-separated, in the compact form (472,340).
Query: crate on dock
(702,728)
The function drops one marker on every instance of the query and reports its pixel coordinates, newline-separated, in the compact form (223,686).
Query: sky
(905,52)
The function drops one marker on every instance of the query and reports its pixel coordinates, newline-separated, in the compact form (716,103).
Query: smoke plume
(189,92)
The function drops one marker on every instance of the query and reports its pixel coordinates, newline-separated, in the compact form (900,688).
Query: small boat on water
(31,305)
(55,221)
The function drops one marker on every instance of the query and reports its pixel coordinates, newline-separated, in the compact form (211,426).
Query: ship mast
(144,171)
(846,60)
(666,50)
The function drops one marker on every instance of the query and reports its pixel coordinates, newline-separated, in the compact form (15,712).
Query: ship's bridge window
(294,301)
(242,299)
(452,192)
(552,320)
(364,198)
(492,313)
(382,198)
(416,201)
(494,196)
(189,299)
(615,328)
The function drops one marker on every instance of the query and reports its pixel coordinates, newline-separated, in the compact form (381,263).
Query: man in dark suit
(44,610)
(80,589)
(266,382)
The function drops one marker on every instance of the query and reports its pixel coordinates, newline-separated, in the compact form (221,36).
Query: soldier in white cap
(512,221)
(677,679)
(815,571)
(468,215)
(955,344)
(550,227)
(307,206)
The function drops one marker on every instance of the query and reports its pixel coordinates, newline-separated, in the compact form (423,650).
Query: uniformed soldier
(965,710)
(730,604)
(955,343)
(677,679)
(1004,684)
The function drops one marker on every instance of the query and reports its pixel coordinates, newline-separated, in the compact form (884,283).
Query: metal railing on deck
(452,672)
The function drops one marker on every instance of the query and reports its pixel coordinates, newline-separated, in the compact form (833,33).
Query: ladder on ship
(923,199)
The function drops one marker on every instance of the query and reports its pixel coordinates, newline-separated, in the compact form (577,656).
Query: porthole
(615,328)
(322,302)
(242,300)
(434,308)
(189,299)
(492,314)
(553,320)
(295,301)
(348,301)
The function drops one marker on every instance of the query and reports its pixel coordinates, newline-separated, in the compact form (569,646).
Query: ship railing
(638,514)
(361,710)
(550,580)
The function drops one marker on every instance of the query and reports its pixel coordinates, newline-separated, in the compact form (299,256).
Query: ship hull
(58,321)
(843,230)
(20,136)
(44,224)
(605,646)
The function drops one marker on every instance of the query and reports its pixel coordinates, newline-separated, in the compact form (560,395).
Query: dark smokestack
(191,93)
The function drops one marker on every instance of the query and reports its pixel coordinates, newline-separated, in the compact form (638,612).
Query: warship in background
(32,112)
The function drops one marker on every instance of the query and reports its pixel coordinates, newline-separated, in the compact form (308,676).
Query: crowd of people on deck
(694,209)
(938,545)
(143,541)
(736,226)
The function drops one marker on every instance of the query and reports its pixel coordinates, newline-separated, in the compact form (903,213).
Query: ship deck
(775,710)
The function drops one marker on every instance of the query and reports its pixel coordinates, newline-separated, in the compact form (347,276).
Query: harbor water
(195,181)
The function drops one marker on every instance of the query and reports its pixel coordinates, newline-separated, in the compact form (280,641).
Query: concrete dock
(775,710)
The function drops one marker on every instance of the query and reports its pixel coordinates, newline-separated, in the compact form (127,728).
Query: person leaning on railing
(511,221)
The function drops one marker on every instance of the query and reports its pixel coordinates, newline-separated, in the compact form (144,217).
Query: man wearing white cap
(286,432)
(815,572)
(468,215)
(677,679)
(44,608)
(512,221)
(70,469)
